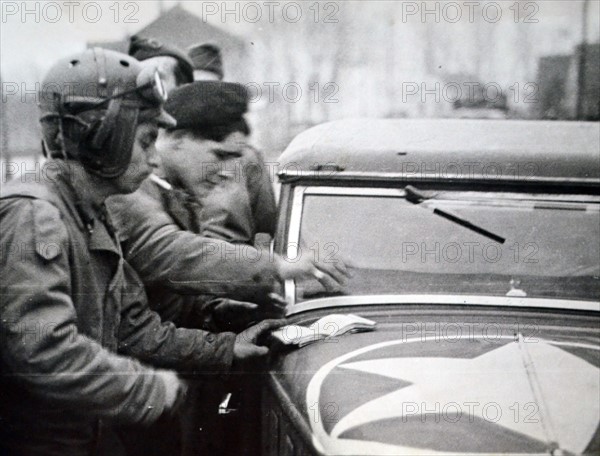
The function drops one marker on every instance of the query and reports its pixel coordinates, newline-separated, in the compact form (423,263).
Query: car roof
(446,149)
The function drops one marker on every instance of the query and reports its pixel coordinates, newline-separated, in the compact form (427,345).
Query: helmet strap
(108,124)
(117,148)
(123,138)
(60,138)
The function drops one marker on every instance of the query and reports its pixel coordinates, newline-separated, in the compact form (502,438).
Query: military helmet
(91,104)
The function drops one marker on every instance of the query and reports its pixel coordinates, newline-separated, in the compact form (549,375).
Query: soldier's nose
(152,158)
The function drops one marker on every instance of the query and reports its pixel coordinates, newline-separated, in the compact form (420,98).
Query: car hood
(472,382)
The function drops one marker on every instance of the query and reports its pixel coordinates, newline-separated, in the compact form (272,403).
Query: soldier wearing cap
(211,114)
(172,63)
(71,308)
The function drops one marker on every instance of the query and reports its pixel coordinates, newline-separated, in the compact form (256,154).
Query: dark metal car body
(475,248)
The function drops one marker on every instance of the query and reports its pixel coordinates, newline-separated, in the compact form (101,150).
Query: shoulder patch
(50,233)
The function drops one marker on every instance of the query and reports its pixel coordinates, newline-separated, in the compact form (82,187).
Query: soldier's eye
(148,139)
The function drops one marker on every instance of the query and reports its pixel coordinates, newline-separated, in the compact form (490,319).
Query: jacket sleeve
(143,335)
(164,254)
(40,344)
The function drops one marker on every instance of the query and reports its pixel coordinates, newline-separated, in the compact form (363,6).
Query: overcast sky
(35,41)
(31,42)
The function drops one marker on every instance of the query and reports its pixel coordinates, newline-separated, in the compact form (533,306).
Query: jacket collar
(94,220)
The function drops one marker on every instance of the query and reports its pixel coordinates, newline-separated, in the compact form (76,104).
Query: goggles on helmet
(149,88)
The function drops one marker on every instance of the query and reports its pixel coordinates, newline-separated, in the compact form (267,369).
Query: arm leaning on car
(164,254)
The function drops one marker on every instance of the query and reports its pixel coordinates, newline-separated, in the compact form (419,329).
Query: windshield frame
(293,238)
(438,299)
(291,250)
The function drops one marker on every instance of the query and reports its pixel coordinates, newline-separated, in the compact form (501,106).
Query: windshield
(499,244)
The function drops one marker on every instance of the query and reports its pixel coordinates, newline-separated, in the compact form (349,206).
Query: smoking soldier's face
(166,66)
(187,158)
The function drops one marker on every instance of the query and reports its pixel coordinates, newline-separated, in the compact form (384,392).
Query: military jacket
(69,303)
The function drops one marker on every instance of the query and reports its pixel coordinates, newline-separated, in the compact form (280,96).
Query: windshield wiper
(415,196)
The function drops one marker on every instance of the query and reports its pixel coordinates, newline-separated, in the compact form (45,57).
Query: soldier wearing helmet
(68,301)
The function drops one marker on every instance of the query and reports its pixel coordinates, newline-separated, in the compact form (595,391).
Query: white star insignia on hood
(496,386)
